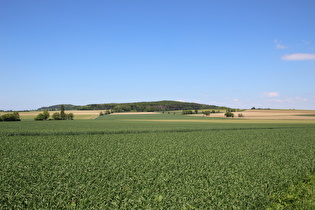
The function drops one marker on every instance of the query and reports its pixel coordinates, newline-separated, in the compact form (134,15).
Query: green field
(156,162)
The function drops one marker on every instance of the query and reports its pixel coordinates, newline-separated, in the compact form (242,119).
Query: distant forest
(137,107)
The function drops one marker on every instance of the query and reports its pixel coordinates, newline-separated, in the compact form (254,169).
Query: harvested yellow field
(130,113)
(78,114)
(259,115)
(274,114)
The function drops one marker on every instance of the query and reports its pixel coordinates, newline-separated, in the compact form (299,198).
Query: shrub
(241,115)
(40,116)
(46,115)
(70,116)
(10,117)
(56,116)
(229,114)
(207,113)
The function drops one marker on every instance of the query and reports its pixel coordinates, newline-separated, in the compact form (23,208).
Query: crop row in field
(219,166)
(140,122)
(125,126)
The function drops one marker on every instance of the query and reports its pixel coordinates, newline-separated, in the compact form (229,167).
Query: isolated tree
(40,116)
(56,116)
(16,116)
(70,116)
(46,115)
(241,115)
(62,113)
(229,114)
(207,113)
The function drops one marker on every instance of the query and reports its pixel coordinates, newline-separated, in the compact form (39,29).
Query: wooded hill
(138,106)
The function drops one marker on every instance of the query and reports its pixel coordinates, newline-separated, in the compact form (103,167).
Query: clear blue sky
(237,53)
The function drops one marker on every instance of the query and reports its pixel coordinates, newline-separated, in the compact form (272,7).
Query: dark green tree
(207,113)
(118,108)
(229,114)
(15,116)
(63,115)
(56,116)
(70,116)
(46,115)
(40,116)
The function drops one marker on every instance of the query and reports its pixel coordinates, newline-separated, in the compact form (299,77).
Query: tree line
(138,106)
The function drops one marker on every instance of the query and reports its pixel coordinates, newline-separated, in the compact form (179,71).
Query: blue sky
(237,53)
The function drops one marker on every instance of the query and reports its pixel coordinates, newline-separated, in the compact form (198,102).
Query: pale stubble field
(248,114)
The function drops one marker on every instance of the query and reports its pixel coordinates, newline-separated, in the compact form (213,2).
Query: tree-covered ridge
(138,106)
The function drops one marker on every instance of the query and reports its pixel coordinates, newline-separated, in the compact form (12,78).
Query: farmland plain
(162,161)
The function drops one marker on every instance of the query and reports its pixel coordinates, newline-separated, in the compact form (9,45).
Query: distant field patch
(276,114)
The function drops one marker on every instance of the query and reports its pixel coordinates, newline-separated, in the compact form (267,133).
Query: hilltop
(138,106)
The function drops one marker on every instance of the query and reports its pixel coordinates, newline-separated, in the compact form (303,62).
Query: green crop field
(157,162)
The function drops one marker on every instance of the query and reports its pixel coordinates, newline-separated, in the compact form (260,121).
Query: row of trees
(184,112)
(230,114)
(148,106)
(56,116)
(15,116)
(207,113)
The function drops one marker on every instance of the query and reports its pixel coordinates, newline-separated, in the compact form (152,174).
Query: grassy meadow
(158,161)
